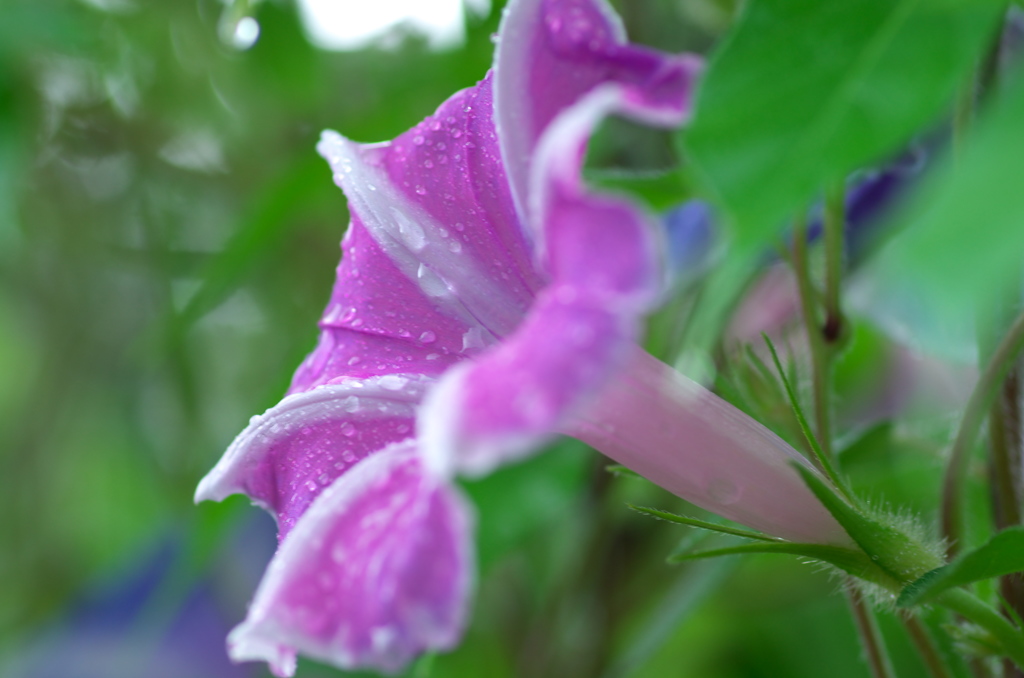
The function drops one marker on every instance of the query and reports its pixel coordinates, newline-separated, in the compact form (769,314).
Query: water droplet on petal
(428,337)
(393,382)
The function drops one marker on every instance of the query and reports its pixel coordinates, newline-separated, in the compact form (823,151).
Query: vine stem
(819,357)
(822,340)
(926,647)
(974,415)
(871,638)
(971,608)
(834,221)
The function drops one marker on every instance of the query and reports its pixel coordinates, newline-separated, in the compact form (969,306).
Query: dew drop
(393,382)
(347,429)
(420,190)
(418,139)
(428,337)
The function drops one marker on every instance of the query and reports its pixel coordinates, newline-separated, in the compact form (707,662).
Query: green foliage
(959,246)
(658,190)
(1001,555)
(803,92)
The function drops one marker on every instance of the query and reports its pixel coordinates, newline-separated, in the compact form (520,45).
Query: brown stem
(870,638)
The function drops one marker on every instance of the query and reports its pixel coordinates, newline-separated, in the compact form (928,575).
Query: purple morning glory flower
(486,300)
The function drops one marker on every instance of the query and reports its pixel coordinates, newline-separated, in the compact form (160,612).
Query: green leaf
(963,238)
(702,524)
(847,560)
(1001,555)
(803,92)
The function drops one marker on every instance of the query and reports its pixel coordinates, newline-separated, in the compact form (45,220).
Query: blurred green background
(168,238)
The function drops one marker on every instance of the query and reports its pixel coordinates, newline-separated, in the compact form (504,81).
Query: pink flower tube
(486,300)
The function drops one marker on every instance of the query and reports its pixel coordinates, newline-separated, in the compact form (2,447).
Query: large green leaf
(964,235)
(1001,555)
(805,91)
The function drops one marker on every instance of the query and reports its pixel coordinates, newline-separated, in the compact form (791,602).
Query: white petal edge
(412,239)
(390,395)
(518,26)
(258,639)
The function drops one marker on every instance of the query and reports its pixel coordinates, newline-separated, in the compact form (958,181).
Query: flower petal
(665,427)
(552,52)
(437,202)
(604,261)
(378,570)
(378,321)
(284,459)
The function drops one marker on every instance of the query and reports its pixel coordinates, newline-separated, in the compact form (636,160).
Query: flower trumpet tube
(671,430)
(486,300)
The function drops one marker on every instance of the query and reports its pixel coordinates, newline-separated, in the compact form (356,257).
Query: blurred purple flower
(485,301)
(112,631)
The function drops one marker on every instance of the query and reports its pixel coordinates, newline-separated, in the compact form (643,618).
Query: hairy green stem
(974,415)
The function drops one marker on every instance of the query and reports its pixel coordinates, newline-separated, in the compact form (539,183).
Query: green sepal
(903,558)
(847,560)
(1001,555)
(703,524)
(623,471)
